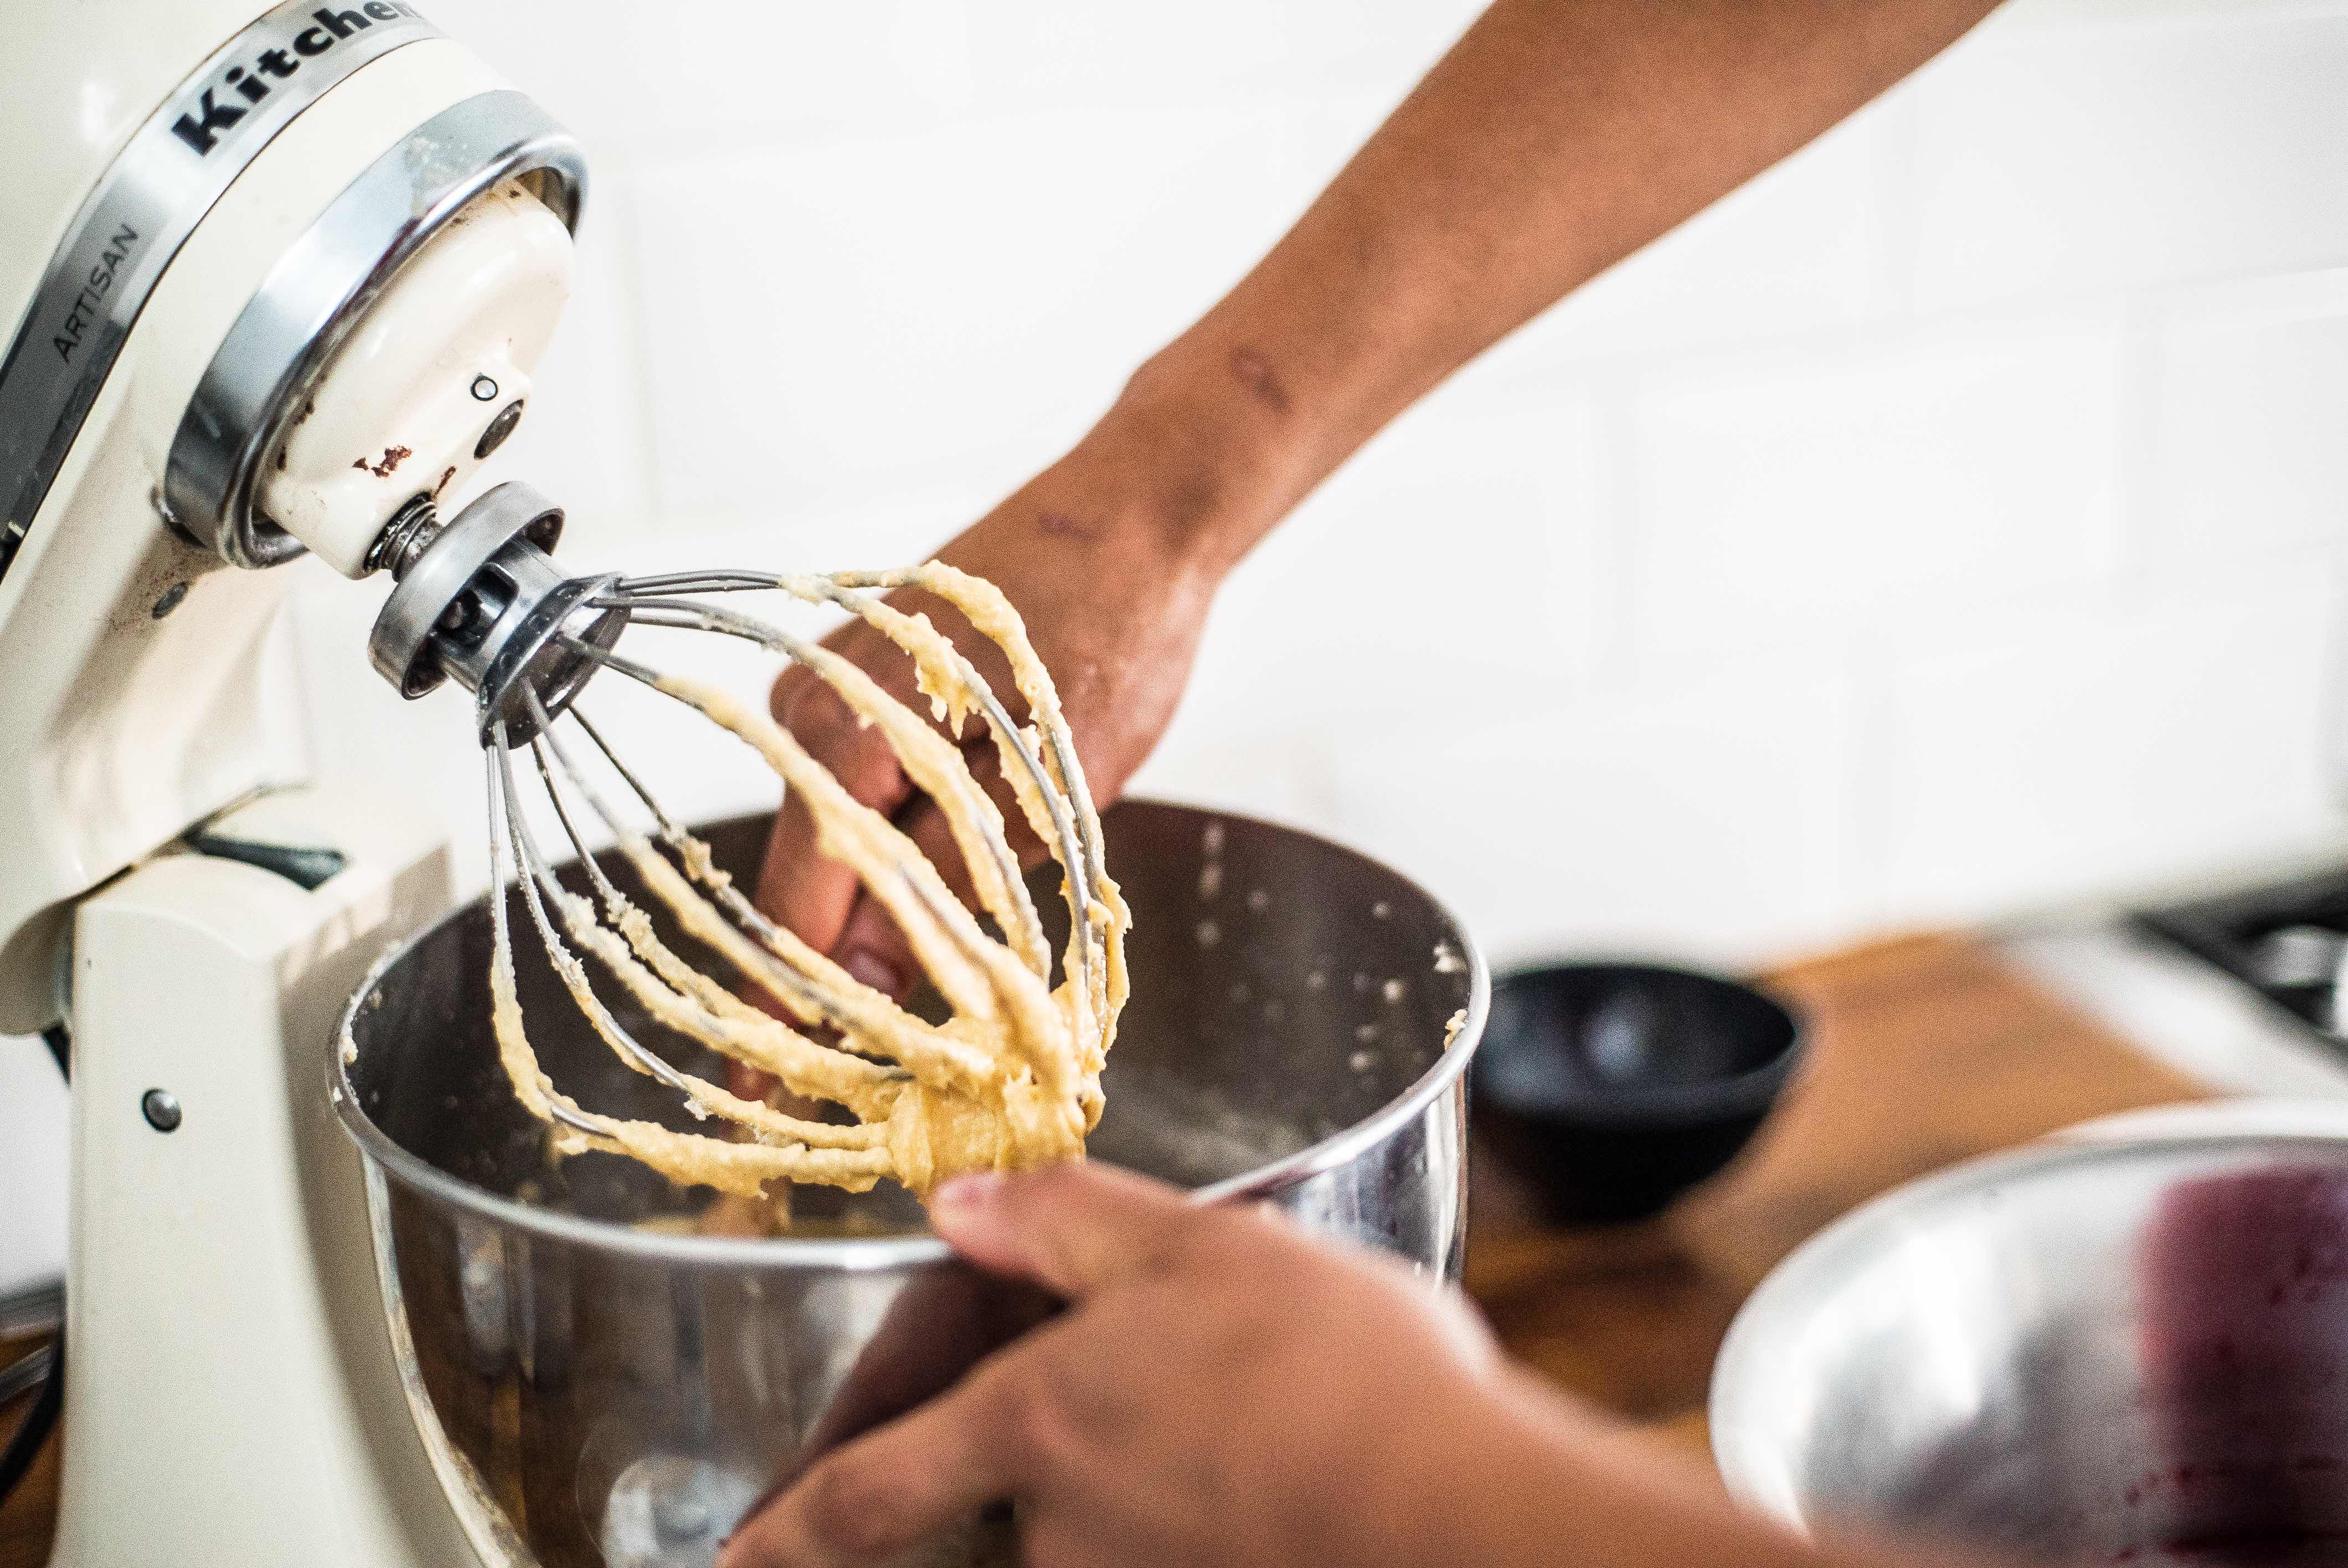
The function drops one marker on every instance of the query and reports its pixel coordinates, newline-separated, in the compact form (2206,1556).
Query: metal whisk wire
(540,887)
(806,984)
(652,601)
(500,926)
(840,589)
(681,845)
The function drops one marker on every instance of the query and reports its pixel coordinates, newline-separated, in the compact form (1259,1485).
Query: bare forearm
(1528,1481)
(1555,139)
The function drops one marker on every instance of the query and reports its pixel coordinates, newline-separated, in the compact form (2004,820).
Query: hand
(1108,577)
(1223,1389)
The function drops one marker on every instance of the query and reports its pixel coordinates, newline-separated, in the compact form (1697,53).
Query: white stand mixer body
(233,1396)
(138,697)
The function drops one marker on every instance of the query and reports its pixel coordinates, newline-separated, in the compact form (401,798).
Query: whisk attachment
(1012,1079)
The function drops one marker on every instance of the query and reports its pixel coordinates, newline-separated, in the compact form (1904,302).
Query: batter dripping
(1011,1080)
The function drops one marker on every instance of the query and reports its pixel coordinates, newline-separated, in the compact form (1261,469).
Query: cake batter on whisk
(1010,1081)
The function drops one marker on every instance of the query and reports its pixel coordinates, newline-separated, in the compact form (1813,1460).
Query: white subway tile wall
(1945,523)
(2174,147)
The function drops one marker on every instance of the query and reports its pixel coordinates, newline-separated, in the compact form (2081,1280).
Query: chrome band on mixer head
(167,178)
(319,290)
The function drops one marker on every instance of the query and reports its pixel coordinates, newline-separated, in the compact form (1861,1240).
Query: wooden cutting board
(29,1517)
(1924,1051)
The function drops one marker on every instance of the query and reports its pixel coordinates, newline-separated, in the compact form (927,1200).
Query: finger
(744,1080)
(1074,1229)
(947,1321)
(889,1489)
(875,951)
(748,1082)
(870,946)
(798,885)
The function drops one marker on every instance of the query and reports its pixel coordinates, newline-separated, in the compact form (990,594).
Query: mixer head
(272,285)
(300,295)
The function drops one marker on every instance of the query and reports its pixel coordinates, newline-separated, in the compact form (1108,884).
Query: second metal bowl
(2092,1350)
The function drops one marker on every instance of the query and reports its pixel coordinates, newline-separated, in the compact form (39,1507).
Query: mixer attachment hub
(479,599)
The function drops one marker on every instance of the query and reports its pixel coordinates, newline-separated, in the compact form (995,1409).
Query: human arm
(1225,1389)
(1557,137)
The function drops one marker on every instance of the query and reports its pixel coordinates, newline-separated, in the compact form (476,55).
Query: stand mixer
(276,284)
(281,295)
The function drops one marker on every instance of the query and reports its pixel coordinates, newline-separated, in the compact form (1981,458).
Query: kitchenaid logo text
(218,105)
(83,313)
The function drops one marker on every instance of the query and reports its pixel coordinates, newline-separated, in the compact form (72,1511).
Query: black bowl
(1611,1089)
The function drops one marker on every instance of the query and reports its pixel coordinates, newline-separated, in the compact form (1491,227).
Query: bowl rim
(874,1254)
(1741,1459)
(1672,1107)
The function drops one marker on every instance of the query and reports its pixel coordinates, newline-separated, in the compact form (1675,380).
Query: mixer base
(223,1316)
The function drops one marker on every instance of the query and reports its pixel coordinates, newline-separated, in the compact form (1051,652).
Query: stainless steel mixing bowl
(2107,1351)
(602,1381)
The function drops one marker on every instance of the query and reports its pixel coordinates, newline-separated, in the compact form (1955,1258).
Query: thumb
(1074,1229)
(798,885)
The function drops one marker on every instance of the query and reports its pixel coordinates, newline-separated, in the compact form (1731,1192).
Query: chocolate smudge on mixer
(392,458)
